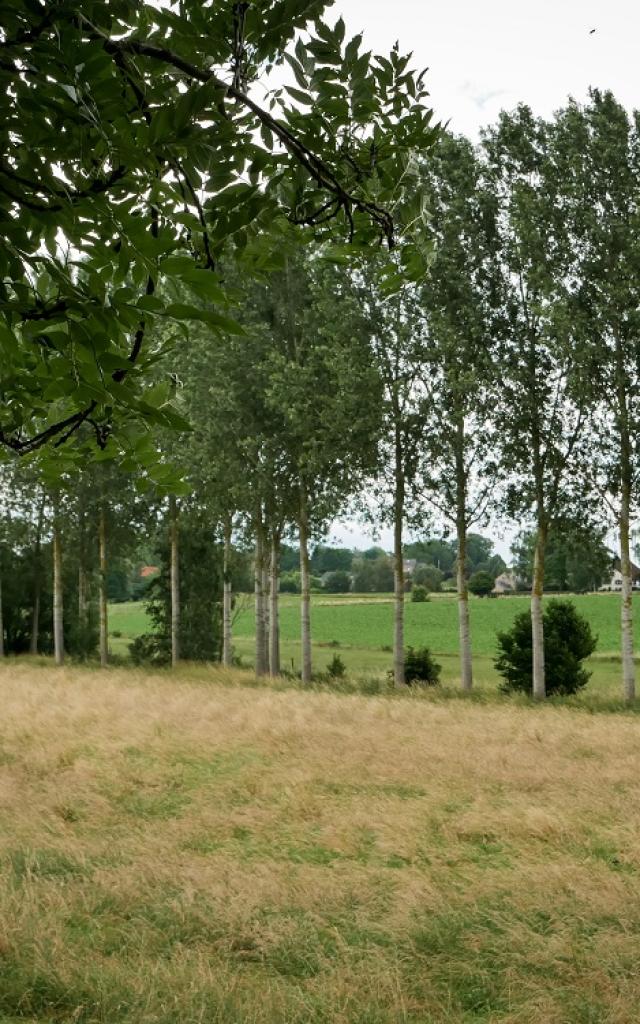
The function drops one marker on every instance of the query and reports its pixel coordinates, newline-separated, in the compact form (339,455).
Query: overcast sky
(487,55)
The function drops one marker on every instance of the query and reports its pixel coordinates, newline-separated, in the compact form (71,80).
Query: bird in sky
(593,32)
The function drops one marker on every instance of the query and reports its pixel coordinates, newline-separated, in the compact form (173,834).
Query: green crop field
(360,627)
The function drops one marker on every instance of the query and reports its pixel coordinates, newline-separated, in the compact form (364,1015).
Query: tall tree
(542,400)
(600,146)
(458,303)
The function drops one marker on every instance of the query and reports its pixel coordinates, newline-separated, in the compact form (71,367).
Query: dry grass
(173,850)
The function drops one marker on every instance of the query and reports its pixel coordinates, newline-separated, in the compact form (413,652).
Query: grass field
(360,627)
(187,849)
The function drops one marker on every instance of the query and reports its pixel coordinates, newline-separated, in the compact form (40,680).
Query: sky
(484,56)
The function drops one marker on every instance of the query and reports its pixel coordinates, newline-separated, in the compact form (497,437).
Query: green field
(360,628)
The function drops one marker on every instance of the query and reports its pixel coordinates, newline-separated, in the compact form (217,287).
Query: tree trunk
(37,584)
(266,609)
(102,593)
(2,647)
(175,580)
(274,618)
(227,599)
(398,575)
(305,588)
(58,626)
(260,663)
(626,481)
(628,664)
(537,627)
(464,632)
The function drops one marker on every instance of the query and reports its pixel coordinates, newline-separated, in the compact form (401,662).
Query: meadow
(359,629)
(192,848)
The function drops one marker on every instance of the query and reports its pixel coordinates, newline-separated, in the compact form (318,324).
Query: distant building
(506,583)
(148,570)
(614,583)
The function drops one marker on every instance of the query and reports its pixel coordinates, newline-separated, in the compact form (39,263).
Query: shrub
(430,577)
(481,583)
(336,667)
(337,582)
(568,640)
(419,595)
(290,583)
(420,667)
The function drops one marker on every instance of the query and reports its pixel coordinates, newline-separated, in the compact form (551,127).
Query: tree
(373,576)
(428,576)
(459,370)
(393,323)
(129,161)
(568,642)
(337,582)
(601,149)
(577,558)
(543,400)
(481,583)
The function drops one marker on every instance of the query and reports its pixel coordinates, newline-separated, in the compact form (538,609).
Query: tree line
(502,382)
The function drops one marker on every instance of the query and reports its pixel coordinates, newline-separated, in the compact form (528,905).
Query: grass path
(185,849)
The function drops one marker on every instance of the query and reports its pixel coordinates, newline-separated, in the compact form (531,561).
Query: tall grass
(189,849)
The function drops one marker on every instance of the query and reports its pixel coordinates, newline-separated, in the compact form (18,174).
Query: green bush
(481,583)
(290,583)
(568,640)
(336,668)
(337,582)
(430,577)
(420,667)
(419,595)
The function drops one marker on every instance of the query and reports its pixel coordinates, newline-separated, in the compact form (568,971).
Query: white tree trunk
(274,618)
(266,606)
(305,590)
(398,583)
(464,632)
(37,585)
(102,597)
(260,663)
(175,580)
(58,627)
(537,626)
(628,663)
(227,600)
(2,646)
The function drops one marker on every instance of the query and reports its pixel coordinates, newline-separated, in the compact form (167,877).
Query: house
(147,571)
(506,583)
(614,583)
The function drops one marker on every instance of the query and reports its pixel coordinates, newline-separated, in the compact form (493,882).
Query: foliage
(481,583)
(200,600)
(419,595)
(337,582)
(428,576)
(336,669)
(290,583)
(373,575)
(568,641)
(577,558)
(421,667)
(130,164)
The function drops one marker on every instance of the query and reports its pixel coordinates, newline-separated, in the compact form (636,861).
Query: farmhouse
(614,583)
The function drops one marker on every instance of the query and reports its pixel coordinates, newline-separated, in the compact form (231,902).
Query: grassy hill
(193,849)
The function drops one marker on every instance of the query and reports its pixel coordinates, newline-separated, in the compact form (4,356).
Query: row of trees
(505,381)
